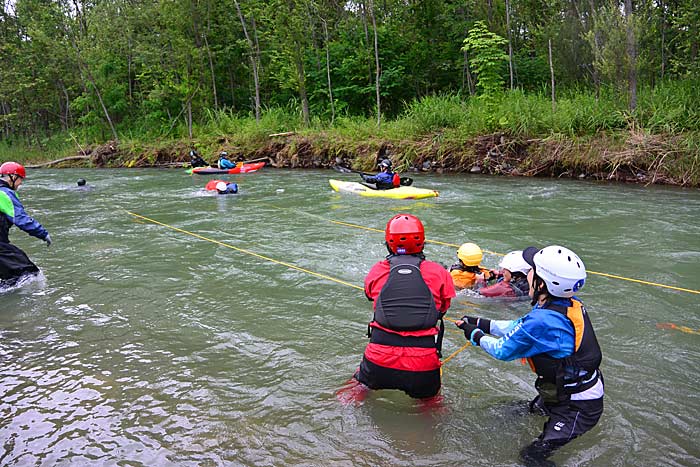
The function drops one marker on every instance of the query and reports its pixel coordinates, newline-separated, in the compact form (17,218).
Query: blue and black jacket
(383,180)
(12,213)
(559,342)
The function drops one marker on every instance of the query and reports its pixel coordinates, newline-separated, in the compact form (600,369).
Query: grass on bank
(670,109)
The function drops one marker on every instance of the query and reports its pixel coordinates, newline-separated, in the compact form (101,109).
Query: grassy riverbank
(517,134)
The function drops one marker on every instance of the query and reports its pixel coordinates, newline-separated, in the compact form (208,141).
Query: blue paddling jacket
(12,213)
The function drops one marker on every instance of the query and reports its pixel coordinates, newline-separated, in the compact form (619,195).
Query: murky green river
(147,346)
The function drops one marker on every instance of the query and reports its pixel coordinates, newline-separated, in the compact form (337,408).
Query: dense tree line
(108,66)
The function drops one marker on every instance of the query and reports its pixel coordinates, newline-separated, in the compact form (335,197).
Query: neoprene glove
(471,332)
(48,240)
(482,323)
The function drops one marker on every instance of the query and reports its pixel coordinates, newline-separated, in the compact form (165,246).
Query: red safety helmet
(405,234)
(13,168)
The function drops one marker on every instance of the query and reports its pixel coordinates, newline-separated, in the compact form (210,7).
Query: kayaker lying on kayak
(384,180)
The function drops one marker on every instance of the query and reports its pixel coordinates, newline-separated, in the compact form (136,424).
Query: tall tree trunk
(189,118)
(301,77)
(363,10)
(128,60)
(253,59)
(232,86)
(328,68)
(211,70)
(595,73)
(632,54)
(67,115)
(258,61)
(510,44)
(376,62)
(662,5)
(466,71)
(551,72)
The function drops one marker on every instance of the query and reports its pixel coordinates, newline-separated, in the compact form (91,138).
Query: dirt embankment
(632,157)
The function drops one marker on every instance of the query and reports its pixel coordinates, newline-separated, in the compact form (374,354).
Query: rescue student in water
(558,340)
(410,295)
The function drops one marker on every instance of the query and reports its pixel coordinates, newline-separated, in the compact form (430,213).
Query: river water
(148,346)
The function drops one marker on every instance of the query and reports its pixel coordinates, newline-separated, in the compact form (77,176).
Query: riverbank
(631,156)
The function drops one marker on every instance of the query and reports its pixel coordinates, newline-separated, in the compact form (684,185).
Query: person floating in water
(512,278)
(384,180)
(410,295)
(221,187)
(83,186)
(467,272)
(14,263)
(224,188)
(558,340)
(196,160)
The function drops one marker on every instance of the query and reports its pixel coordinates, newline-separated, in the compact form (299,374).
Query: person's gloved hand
(48,240)
(482,323)
(469,319)
(471,332)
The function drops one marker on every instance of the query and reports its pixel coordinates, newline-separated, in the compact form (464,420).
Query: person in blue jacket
(558,340)
(224,163)
(224,188)
(384,180)
(14,263)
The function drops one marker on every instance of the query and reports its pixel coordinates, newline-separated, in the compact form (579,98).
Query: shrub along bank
(518,134)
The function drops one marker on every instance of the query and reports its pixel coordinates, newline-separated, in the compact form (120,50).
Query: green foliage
(151,61)
(486,57)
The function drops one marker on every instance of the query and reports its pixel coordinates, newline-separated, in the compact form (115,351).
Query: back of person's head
(470,254)
(81,182)
(514,262)
(221,187)
(557,271)
(404,235)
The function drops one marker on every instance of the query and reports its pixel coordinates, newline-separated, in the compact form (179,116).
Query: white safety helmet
(221,186)
(561,270)
(514,262)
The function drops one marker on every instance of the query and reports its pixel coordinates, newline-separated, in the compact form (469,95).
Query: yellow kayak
(402,192)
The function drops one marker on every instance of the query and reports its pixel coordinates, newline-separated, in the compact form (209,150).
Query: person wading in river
(14,263)
(558,340)
(410,295)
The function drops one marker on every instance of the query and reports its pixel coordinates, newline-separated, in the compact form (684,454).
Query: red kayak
(245,168)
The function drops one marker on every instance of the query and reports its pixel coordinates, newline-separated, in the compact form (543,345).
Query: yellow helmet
(470,254)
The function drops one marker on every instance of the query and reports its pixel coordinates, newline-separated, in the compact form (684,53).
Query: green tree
(486,58)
